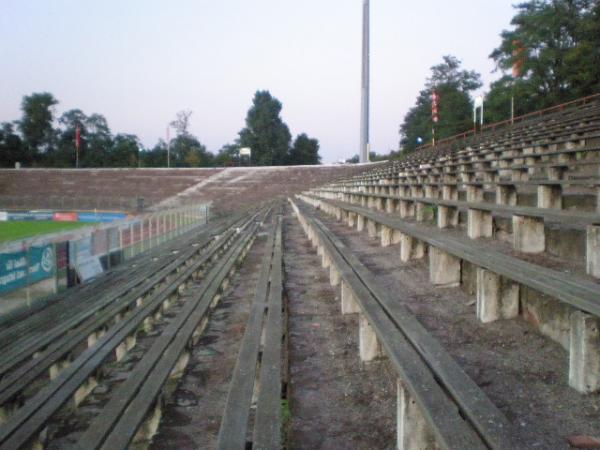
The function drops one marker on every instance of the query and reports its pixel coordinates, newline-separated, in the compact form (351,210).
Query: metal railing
(38,267)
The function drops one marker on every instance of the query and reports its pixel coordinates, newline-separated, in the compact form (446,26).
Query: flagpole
(168,149)
(77,144)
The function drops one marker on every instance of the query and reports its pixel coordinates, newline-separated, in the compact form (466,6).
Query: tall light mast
(364,121)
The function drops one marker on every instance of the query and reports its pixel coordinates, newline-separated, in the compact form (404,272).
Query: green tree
(155,157)
(12,149)
(228,155)
(36,122)
(560,58)
(125,151)
(266,133)
(187,151)
(454,85)
(305,151)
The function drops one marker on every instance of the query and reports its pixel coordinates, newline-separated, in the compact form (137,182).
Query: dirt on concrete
(521,371)
(336,402)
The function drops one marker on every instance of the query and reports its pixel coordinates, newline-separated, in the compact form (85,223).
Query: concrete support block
(360,222)
(497,298)
(404,208)
(379,204)
(506,195)
(447,216)
(528,234)
(444,269)
(179,369)
(411,248)
(396,237)
(349,303)
(326,261)
(334,276)
(84,390)
(593,250)
(412,429)
(556,173)
(449,192)
(480,224)
(474,193)
(386,236)
(372,228)
(423,212)
(390,206)
(351,219)
(149,427)
(550,196)
(584,353)
(368,344)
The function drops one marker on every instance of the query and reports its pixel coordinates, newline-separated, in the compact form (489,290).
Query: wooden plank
(117,424)
(487,419)
(31,418)
(449,427)
(267,422)
(575,291)
(234,424)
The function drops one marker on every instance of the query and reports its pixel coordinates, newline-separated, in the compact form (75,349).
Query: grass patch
(15,230)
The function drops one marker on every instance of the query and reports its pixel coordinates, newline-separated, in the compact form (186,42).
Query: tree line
(550,56)
(40,139)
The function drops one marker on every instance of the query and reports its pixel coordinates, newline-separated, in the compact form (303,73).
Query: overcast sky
(138,62)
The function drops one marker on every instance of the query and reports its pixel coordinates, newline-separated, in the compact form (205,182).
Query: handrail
(494,126)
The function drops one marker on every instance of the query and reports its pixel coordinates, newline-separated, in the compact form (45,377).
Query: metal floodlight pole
(364,123)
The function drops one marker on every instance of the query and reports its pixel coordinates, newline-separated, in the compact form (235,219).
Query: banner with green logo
(20,269)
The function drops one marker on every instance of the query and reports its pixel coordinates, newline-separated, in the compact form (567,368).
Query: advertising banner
(66,217)
(13,267)
(101,217)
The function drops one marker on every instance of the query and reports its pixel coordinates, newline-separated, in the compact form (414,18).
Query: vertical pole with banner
(517,70)
(435,112)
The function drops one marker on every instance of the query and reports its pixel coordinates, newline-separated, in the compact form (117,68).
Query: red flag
(518,58)
(77,137)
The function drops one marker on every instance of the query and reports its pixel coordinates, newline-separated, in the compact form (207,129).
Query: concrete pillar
(528,234)
(550,196)
(423,212)
(326,261)
(386,236)
(349,303)
(369,346)
(506,194)
(390,206)
(444,269)
(497,298)
(474,193)
(411,248)
(334,276)
(480,223)
(379,204)
(449,192)
(584,354)
(372,228)
(351,219)
(412,429)
(404,208)
(593,250)
(396,236)
(556,173)
(360,222)
(447,216)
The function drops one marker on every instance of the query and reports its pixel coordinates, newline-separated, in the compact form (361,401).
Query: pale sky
(138,62)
